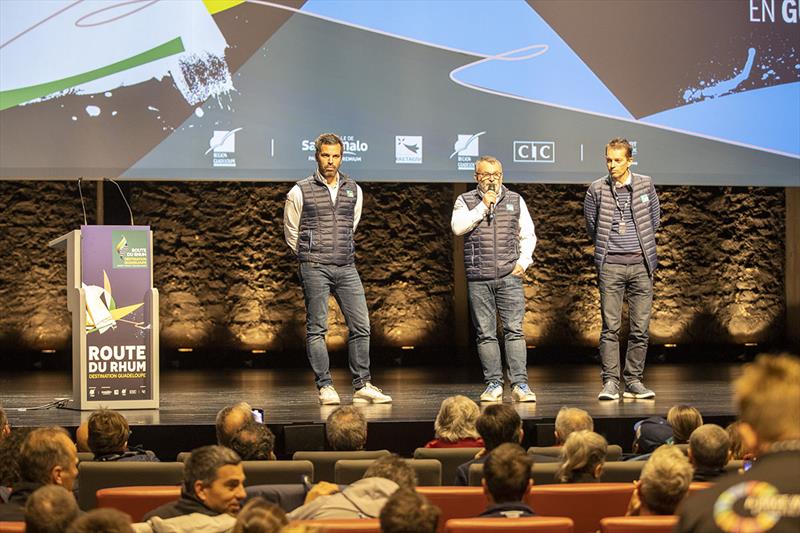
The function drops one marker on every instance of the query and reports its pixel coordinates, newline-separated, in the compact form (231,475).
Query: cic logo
(534,152)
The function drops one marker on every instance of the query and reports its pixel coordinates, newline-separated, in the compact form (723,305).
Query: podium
(114,311)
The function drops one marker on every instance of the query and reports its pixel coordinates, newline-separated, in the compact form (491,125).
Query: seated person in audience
(663,483)
(407,511)
(254,442)
(346,429)
(569,420)
(455,424)
(9,461)
(47,457)
(82,437)
(683,419)
(506,479)
(260,516)
(230,420)
(497,424)
(767,397)
(212,492)
(649,434)
(364,498)
(582,458)
(709,452)
(104,521)
(739,451)
(5,426)
(50,509)
(108,438)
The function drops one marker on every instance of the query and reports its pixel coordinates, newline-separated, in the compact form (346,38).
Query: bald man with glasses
(499,240)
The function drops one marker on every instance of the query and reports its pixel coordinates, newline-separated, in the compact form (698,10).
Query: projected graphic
(232,89)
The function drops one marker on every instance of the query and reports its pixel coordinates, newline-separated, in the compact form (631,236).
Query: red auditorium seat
(12,527)
(490,525)
(455,502)
(699,485)
(137,501)
(365,525)
(638,524)
(584,503)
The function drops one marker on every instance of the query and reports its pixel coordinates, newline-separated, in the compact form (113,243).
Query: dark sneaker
(610,391)
(639,391)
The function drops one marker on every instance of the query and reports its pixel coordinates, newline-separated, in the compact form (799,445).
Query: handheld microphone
(491,204)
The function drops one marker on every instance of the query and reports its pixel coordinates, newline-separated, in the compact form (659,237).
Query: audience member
(254,442)
(5,426)
(582,457)
(9,456)
(569,420)
(407,511)
(739,451)
(767,397)
(82,437)
(346,429)
(709,452)
(230,420)
(108,438)
(260,516)
(103,521)
(506,479)
(47,457)
(213,488)
(683,419)
(50,509)
(455,424)
(497,424)
(663,483)
(363,499)
(649,434)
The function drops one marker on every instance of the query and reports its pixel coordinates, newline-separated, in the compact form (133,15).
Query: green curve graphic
(15,97)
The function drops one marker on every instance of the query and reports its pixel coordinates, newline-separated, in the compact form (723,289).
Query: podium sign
(115,316)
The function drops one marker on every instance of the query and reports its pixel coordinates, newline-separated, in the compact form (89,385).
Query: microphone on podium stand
(123,198)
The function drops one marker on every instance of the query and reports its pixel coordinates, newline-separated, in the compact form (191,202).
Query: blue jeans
(615,281)
(319,281)
(506,297)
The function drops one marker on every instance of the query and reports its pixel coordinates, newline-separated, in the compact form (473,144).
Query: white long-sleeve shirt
(464,220)
(294,208)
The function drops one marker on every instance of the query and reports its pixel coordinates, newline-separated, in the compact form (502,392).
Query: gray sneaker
(610,391)
(639,391)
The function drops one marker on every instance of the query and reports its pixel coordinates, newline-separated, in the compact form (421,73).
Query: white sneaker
(369,393)
(493,393)
(328,396)
(523,393)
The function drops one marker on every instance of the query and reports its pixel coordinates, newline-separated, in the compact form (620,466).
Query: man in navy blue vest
(320,218)
(622,216)
(499,239)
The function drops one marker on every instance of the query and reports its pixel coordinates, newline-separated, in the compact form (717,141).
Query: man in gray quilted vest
(622,216)
(320,217)
(499,239)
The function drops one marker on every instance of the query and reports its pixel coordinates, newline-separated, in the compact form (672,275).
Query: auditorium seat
(638,524)
(364,525)
(325,462)
(490,525)
(542,474)
(451,459)
(699,485)
(273,472)
(429,471)
(734,465)
(100,475)
(584,503)
(613,453)
(137,501)
(456,502)
(12,527)
(622,471)
(85,456)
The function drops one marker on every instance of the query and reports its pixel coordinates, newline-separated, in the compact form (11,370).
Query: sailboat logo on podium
(102,312)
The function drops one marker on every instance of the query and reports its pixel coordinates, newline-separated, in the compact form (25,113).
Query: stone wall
(228,281)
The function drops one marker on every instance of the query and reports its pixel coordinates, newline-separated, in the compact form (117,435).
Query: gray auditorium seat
(325,462)
(621,471)
(451,458)
(429,471)
(276,472)
(100,475)
(613,453)
(85,456)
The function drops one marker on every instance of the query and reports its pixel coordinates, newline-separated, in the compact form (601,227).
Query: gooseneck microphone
(123,198)
(83,204)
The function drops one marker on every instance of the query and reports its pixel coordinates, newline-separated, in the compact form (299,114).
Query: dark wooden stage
(190,400)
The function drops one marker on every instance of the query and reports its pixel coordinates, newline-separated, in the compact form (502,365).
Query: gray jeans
(615,282)
(505,297)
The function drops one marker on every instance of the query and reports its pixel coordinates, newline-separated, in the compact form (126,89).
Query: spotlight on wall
(48,350)
(185,350)
(670,345)
(751,344)
(407,347)
(258,351)
(530,346)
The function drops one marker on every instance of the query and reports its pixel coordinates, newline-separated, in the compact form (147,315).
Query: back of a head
(581,454)
(9,456)
(684,419)
(709,446)
(407,511)
(5,427)
(507,472)
(231,419)
(456,419)
(50,509)
(254,442)
(394,468)
(739,449)
(768,397)
(570,419)
(108,432)
(664,480)
(43,449)
(102,521)
(260,516)
(203,464)
(497,424)
(346,429)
